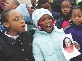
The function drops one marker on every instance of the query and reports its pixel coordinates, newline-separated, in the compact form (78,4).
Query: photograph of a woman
(67,45)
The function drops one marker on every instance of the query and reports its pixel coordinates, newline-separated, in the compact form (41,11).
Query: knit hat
(38,13)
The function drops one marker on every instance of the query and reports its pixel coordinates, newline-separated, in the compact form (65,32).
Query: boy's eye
(79,16)
(7,3)
(16,19)
(67,7)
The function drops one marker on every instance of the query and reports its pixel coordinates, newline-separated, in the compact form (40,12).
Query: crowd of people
(46,22)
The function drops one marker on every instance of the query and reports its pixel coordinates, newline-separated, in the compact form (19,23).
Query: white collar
(12,37)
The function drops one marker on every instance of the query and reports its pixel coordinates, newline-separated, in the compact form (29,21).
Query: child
(46,5)
(46,43)
(76,29)
(15,44)
(34,4)
(64,20)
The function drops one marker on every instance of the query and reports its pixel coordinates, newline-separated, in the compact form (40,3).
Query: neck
(13,33)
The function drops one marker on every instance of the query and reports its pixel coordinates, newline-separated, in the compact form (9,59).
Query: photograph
(69,47)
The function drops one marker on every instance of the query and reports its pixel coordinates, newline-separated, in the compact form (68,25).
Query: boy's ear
(6,24)
(14,6)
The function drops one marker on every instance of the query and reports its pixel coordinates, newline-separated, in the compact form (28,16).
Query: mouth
(23,27)
(65,12)
(49,27)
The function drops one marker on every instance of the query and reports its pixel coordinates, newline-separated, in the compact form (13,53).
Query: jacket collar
(37,31)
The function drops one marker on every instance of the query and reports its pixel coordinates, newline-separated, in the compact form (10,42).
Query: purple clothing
(76,32)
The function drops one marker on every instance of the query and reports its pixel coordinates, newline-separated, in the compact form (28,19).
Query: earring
(38,27)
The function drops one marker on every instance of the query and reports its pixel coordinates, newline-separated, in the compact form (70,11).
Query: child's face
(10,4)
(46,6)
(76,16)
(47,24)
(33,2)
(15,22)
(65,7)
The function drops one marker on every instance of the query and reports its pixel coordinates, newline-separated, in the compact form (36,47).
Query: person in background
(46,42)
(24,9)
(15,44)
(46,5)
(76,29)
(34,4)
(63,21)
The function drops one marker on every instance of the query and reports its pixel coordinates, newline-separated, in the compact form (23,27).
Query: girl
(15,44)
(46,43)
(76,29)
(64,20)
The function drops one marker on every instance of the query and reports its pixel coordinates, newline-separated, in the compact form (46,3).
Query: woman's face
(67,42)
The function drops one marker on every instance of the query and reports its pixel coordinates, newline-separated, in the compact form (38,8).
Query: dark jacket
(60,21)
(16,50)
(55,15)
(76,32)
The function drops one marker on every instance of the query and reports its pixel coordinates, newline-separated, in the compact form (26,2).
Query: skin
(33,2)
(10,4)
(46,20)
(46,6)
(77,16)
(30,10)
(15,23)
(65,8)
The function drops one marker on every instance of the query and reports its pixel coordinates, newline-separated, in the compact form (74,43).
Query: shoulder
(58,30)
(69,30)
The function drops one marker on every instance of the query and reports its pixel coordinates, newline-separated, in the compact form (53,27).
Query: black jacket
(16,50)
(60,21)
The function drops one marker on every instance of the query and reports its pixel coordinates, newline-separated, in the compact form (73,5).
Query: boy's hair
(75,7)
(4,16)
(42,2)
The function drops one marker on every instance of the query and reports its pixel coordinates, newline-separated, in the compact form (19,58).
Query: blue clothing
(2,29)
(22,8)
(46,47)
(76,32)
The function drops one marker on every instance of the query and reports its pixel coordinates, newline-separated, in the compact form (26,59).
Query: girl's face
(76,16)
(15,22)
(67,42)
(47,24)
(65,7)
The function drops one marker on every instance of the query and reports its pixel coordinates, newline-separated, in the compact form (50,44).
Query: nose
(47,21)
(65,9)
(76,18)
(22,21)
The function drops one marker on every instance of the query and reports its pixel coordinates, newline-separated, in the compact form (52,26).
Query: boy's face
(65,7)
(46,6)
(77,16)
(15,22)
(33,2)
(47,24)
(10,4)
